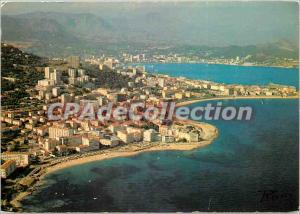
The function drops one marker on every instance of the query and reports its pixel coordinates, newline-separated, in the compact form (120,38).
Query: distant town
(248,60)
(31,143)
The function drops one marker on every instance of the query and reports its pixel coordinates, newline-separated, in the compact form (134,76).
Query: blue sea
(229,74)
(251,166)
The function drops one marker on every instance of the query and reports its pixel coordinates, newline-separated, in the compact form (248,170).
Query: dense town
(31,142)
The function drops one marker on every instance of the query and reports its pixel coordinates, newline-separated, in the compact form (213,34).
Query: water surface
(230,74)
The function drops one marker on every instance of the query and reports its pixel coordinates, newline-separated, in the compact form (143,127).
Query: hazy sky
(213,23)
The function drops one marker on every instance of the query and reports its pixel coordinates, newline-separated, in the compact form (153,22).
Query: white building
(48,71)
(113,141)
(21,158)
(167,139)
(55,92)
(150,135)
(72,72)
(50,144)
(92,143)
(57,131)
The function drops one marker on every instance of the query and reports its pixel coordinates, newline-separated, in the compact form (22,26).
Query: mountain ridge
(54,32)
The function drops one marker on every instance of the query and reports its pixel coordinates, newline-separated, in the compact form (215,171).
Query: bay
(229,74)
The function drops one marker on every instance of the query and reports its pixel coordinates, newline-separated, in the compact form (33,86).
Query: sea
(251,166)
(229,74)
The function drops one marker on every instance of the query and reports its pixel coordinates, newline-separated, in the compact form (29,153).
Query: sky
(211,23)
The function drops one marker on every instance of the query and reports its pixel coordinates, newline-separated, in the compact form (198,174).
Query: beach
(109,154)
(116,154)
(210,133)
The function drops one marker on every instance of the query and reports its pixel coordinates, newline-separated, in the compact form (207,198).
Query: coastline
(119,154)
(188,102)
(215,63)
(211,133)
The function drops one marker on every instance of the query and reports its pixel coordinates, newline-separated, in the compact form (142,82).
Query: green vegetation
(151,126)
(14,98)
(106,79)
(7,85)
(18,73)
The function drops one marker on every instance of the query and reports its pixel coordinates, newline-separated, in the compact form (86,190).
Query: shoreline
(206,63)
(188,102)
(132,150)
(211,133)
(17,201)
(121,154)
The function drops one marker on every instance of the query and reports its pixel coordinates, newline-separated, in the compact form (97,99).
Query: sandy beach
(17,202)
(115,154)
(188,102)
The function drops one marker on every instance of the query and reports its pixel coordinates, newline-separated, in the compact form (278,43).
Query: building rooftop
(7,164)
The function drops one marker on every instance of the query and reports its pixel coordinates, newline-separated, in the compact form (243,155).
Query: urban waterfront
(229,74)
(150,107)
(247,159)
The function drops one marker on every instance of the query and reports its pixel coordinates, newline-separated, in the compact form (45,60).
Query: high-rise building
(72,72)
(74,61)
(81,72)
(52,74)
(48,72)
(57,76)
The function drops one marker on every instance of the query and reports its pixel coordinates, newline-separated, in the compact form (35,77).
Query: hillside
(11,55)
(18,73)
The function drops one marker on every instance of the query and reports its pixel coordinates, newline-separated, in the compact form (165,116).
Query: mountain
(259,52)
(60,34)
(73,26)
(35,30)
(69,28)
